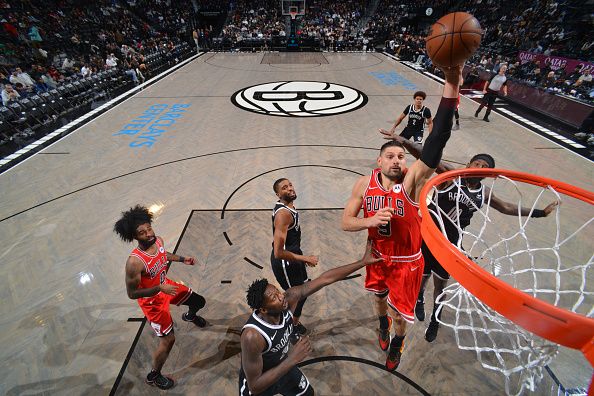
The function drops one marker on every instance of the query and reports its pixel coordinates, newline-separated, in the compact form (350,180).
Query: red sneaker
(384,336)
(393,359)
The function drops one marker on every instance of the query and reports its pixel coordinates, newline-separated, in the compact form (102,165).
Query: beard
(147,244)
(394,175)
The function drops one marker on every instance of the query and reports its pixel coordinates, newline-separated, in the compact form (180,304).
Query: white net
(548,258)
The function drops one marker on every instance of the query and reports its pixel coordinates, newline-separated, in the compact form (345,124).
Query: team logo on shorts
(303,382)
(299,99)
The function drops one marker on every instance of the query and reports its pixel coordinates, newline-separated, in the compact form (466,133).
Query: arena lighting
(86,277)
(156,208)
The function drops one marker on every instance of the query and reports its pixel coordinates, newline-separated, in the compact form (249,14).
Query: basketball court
(203,154)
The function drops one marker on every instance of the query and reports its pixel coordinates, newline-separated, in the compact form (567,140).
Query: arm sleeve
(442,128)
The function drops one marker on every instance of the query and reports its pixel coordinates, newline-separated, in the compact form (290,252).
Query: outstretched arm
(423,168)
(177,257)
(415,150)
(181,259)
(509,208)
(294,294)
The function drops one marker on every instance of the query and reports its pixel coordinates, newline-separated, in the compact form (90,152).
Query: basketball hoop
(293,12)
(512,284)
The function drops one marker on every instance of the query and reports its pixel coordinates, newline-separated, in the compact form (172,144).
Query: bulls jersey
(401,237)
(458,202)
(416,118)
(293,240)
(277,338)
(155,268)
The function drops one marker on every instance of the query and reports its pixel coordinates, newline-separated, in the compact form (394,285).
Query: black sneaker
(420,310)
(476,114)
(197,320)
(431,332)
(486,119)
(159,380)
(300,329)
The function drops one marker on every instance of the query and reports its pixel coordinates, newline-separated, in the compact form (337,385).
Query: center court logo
(299,99)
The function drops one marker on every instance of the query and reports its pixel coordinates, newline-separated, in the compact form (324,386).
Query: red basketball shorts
(404,281)
(156,308)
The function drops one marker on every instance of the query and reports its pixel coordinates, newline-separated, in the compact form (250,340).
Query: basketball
(453,39)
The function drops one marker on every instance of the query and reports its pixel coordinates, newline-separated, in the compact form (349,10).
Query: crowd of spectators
(58,58)
(259,19)
(336,25)
(47,42)
(333,25)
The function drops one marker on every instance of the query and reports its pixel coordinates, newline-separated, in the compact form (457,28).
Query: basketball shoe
(197,320)
(159,380)
(431,332)
(393,359)
(420,309)
(384,335)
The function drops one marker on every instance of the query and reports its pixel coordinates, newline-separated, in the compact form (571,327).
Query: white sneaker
(456,127)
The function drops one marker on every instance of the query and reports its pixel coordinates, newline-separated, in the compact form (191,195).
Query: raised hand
(387,134)
(453,74)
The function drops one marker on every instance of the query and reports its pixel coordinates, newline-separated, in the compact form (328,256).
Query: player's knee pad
(195,300)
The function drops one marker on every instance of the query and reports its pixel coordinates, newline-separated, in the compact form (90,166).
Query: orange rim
(541,318)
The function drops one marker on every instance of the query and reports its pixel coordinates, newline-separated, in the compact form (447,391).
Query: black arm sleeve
(442,128)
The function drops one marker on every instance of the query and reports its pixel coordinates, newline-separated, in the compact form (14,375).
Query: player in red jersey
(391,215)
(147,283)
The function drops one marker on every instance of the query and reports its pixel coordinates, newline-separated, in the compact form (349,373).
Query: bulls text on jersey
(376,202)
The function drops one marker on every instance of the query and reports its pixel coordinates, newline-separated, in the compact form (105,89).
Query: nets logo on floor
(299,99)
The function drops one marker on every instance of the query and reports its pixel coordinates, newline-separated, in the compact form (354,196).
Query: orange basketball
(453,39)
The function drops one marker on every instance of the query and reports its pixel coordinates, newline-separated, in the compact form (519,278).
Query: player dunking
(391,216)
(287,259)
(417,116)
(147,283)
(459,202)
(268,362)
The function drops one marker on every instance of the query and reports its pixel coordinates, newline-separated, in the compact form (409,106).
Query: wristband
(182,259)
(538,213)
